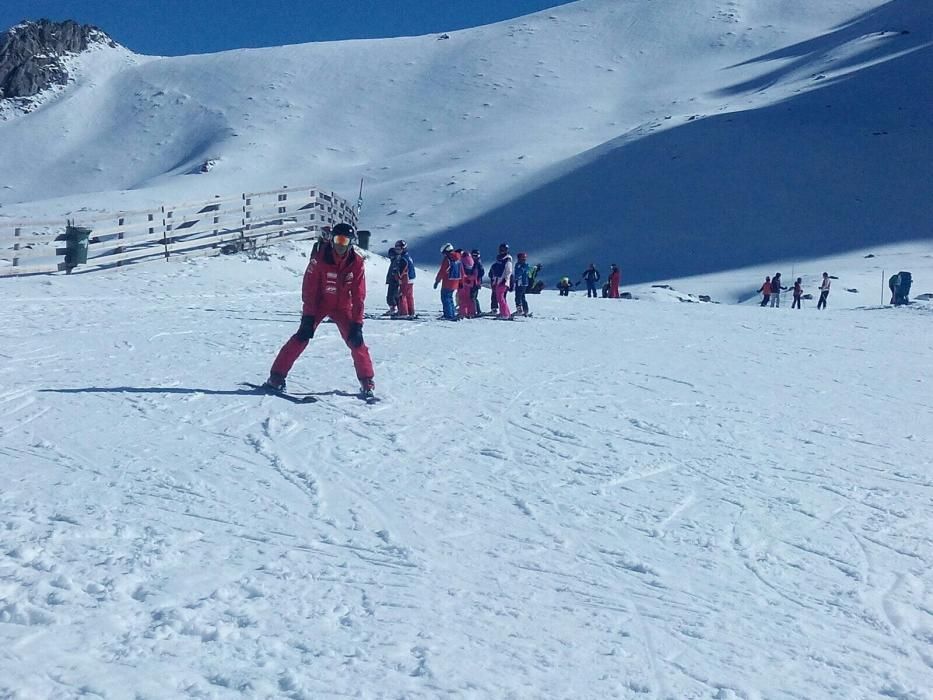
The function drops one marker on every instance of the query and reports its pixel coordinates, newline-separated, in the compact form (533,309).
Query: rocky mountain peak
(32,53)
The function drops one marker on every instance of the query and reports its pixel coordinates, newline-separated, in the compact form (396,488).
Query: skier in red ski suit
(615,277)
(334,286)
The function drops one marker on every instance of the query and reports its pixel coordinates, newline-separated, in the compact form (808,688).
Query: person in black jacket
(776,290)
(392,280)
(591,277)
(479,271)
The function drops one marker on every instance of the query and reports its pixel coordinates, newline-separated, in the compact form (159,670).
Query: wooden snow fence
(172,233)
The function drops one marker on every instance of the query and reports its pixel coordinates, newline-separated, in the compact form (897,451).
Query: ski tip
(269,391)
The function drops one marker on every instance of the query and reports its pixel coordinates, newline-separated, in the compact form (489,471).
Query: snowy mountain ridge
(736,133)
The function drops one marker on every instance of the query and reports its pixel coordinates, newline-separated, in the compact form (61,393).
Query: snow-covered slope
(631,499)
(613,499)
(730,132)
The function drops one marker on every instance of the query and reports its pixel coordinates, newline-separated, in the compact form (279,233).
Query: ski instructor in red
(334,286)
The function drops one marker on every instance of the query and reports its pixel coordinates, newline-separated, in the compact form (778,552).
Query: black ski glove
(355,336)
(306,329)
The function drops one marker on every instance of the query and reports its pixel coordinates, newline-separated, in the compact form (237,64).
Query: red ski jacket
(443,274)
(334,286)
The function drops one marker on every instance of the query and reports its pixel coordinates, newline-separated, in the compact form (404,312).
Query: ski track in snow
(652,519)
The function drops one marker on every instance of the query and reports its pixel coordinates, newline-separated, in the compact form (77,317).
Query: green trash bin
(362,238)
(76,243)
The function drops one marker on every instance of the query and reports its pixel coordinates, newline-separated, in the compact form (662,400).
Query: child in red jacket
(449,276)
(465,292)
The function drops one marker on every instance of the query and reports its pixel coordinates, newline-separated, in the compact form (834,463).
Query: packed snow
(654,497)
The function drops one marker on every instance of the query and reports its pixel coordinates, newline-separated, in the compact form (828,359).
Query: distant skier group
(461,273)
(460,277)
(771,289)
(590,276)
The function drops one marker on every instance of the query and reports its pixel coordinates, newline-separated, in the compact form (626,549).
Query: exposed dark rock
(32,53)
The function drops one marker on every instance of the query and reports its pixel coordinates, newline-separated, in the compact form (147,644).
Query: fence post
(165,229)
(244,215)
(121,221)
(283,207)
(215,218)
(16,235)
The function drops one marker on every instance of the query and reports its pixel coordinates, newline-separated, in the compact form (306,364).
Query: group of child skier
(460,277)
(771,289)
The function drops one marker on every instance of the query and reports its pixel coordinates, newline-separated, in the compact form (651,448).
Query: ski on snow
(308,398)
(269,391)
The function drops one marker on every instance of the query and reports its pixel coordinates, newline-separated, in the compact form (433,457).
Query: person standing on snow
(798,293)
(565,285)
(591,277)
(449,276)
(765,291)
(494,271)
(334,286)
(534,284)
(522,280)
(392,289)
(615,279)
(465,293)
(478,272)
(404,273)
(776,290)
(501,273)
(824,292)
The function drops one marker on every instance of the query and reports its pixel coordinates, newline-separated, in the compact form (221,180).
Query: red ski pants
(297,344)
(406,299)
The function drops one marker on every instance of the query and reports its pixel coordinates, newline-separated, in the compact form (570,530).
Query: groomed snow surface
(614,499)
(641,499)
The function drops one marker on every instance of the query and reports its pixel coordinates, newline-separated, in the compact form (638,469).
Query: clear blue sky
(181,27)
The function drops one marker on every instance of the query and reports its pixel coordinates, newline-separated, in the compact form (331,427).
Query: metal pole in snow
(359,200)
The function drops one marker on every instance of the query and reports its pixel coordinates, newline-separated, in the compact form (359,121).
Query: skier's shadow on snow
(245,391)
(149,390)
